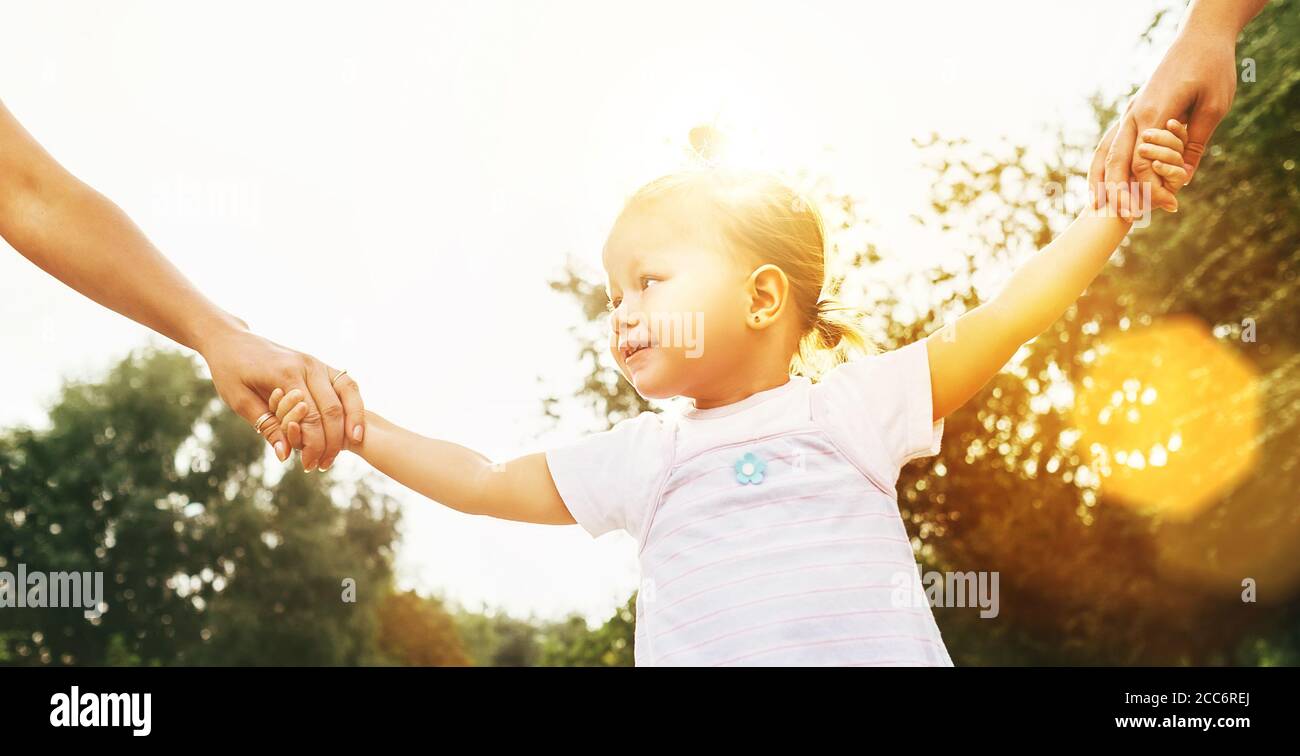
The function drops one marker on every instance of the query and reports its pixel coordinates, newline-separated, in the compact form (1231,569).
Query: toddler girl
(765,515)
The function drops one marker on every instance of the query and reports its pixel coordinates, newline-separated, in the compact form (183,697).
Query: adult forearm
(86,241)
(1220,17)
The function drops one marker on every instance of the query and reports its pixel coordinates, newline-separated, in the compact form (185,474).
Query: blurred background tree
(149,479)
(574,644)
(418,632)
(496,639)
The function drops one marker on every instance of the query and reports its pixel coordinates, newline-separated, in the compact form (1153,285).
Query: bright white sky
(389,186)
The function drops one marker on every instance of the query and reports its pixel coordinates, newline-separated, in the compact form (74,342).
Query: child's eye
(613,304)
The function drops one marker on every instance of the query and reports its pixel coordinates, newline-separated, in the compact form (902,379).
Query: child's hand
(1162,150)
(290,409)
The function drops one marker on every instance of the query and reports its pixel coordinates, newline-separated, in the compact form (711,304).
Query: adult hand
(81,238)
(246,368)
(1194,83)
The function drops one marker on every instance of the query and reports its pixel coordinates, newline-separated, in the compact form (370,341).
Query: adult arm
(1195,83)
(81,238)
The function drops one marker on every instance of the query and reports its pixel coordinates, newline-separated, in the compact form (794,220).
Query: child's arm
(965,355)
(465,480)
(451,475)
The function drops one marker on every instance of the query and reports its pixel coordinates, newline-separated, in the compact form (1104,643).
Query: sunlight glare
(1170,417)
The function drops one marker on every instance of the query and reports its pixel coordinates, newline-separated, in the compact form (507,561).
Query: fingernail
(357,433)
(279,450)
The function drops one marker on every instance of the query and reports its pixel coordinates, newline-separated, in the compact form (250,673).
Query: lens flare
(1169,418)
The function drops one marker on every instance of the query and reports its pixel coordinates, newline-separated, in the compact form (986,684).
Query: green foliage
(496,639)
(148,478)
(573,644)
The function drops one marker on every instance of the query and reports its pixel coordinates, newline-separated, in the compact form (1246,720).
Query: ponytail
(835,331)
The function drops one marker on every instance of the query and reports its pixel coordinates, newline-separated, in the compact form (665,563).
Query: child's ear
(769,290)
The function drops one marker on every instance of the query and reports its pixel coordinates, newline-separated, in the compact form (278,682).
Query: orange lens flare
(1169,418)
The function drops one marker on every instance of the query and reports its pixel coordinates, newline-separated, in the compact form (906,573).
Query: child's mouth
(632,350)
(635,351)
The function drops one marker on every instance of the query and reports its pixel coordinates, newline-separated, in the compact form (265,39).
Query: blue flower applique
(749,469)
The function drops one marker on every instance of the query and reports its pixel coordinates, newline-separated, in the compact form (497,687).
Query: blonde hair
(762,215)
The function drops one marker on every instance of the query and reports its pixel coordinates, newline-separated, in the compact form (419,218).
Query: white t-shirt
(768,530)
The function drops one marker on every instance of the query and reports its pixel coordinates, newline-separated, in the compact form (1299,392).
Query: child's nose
(624,317)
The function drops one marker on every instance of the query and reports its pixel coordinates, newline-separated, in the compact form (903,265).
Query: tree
(573,644)
(148,479)
(418,632)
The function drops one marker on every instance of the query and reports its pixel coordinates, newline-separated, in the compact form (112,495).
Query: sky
(390,186)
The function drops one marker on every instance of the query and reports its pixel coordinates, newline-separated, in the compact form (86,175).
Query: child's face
(676,288)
